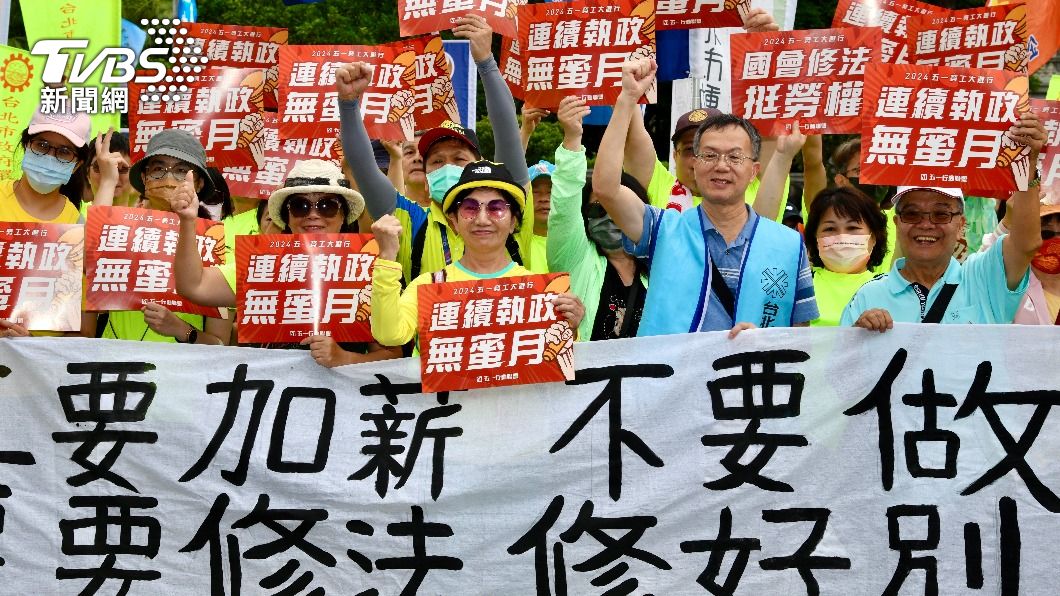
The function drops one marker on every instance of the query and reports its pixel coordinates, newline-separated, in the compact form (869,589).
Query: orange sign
(493,332)
(40,275)
(291,286)
(129,258)
(939,126)
(411,89)
(813,76)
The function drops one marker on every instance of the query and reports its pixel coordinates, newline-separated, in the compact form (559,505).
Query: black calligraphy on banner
(747,383)
(611,395)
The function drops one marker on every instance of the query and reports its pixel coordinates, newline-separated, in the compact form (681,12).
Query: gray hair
(720,121)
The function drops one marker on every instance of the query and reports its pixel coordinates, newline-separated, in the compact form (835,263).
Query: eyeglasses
(178,172)
(326,207)
(734,160)
(910,216)
(495,209)
(595,211)
(63,154)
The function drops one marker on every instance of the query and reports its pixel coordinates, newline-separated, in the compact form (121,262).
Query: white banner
(831,461)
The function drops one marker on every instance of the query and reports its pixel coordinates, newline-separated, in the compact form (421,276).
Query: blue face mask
(44,173)
(440,181)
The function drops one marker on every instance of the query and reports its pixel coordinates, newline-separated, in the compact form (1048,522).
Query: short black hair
(720,121)
(852,204)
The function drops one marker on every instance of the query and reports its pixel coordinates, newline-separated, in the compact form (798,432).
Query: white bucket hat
(316,175)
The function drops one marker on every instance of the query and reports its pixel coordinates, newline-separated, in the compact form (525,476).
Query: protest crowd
(321,207)
(706,244)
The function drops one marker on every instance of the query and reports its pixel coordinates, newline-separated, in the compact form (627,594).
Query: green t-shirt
(538,256)
(130,325)
(833,291)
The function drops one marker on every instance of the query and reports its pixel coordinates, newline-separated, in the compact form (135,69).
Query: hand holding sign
(325,351)
(637,77)
(758,20)
(387,230)
(1029,131)
(570,308)
(475,29)
(12,329)
(790,143)
(162,321)
(352,79)
(185,201)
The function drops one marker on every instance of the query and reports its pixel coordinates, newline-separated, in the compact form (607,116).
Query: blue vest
(681,274)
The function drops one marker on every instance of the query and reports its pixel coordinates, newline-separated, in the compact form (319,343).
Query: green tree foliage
(332,22)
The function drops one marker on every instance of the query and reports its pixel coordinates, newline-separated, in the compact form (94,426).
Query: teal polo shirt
(982,294)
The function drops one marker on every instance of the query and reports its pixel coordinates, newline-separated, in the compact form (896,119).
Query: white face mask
(845,253)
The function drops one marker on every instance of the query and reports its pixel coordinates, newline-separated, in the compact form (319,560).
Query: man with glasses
(719,266)
(928,285)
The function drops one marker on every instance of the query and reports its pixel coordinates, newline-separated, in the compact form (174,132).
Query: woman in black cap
(484,208)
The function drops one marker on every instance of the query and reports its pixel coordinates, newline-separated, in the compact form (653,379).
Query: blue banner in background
(465,79)
(132,37)
(187,11)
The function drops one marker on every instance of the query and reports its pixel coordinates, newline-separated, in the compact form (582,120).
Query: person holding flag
(428,242)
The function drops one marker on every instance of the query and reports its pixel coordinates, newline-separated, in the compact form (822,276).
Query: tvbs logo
(65,59)
(119,65)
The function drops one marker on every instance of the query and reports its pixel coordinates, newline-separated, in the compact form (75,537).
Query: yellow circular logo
(16,73)
(697,116)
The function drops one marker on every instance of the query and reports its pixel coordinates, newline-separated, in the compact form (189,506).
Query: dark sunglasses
(595,211)
(325,207)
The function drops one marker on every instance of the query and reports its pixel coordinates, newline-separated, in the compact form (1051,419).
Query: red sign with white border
(939,126)
(988,37)
(291,286)
(815,76)
(427,16)
(890,15)
(700,14)
(41,274)
(493,332)
(129,258)
(411,89)
(578,48)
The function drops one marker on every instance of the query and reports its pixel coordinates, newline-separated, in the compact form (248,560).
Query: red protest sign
(411,88)
(890,15)
(240,46)
(700,14)
(988,37)
(511,66)
(129,258)
(291,286)
(1049,159)
(939,126)
(218,109)
(493,332)
(277,158)
(578,48)
(814,76)
(427,16)
(40,275)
